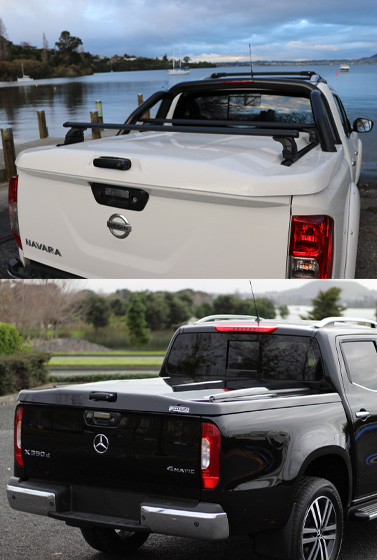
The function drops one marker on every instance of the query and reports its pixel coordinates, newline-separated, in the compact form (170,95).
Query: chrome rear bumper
(203,521)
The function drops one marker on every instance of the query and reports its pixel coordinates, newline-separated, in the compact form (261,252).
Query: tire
(113,541)
(318,521)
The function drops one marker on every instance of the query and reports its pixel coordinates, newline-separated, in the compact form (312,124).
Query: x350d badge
(119,226)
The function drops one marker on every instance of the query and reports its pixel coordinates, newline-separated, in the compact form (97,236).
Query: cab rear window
(253,356)
(259,107)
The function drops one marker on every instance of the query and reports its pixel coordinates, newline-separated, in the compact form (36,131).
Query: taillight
(13,209)
(311,247)
(18,436)
(232,327)
(210,456)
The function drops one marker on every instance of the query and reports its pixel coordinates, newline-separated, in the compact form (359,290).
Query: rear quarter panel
(263,457)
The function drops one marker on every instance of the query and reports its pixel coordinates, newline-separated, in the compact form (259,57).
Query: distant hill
(353,294)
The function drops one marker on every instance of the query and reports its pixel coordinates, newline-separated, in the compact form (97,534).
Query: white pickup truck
(238,175)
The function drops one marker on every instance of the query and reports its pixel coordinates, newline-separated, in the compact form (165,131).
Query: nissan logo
(101,443)
(119,226)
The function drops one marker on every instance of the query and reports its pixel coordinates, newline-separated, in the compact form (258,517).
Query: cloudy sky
(212,30)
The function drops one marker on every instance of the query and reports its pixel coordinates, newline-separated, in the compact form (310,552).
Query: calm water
(298,311)
(65,99)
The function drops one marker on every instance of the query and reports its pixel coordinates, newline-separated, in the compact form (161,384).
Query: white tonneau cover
(218,206)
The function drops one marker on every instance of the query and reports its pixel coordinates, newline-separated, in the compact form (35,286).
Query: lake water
(65,99)
(298,311)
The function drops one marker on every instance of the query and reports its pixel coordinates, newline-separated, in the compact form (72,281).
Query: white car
(233,176)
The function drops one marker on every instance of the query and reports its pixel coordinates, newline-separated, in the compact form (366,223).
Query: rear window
(261,107)
(254,356)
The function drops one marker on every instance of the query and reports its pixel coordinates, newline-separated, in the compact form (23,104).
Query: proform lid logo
(119,226)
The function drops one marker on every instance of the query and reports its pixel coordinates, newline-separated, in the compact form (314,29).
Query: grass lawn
(105,362)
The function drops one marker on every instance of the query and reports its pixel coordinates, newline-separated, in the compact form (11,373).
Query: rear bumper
(35,270)
(201,520)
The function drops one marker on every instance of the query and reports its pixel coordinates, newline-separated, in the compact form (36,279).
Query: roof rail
(213,318)
(303,74)
(344,321)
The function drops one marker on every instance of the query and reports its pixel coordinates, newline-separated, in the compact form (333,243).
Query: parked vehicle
(237,176)
(259,428)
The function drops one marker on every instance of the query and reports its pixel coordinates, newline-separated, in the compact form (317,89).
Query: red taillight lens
(18,436)
(311,247)
(245,328)
(210,456)
(13,209)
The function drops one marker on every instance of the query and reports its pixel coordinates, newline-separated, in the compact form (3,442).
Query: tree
(3,41)
(68,44)
(118,306)
(45,50)
(136,323)
(10,340)
(203,310)
(326,304)
(97,311)
(284,311)
(179,309)
(157,310)
(227,304)
(266,308)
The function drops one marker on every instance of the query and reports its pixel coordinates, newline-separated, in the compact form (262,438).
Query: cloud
(215,28)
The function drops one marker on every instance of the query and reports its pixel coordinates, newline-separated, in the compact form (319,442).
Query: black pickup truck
(267,429)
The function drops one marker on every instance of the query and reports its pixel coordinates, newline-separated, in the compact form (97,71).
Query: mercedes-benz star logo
(101,443)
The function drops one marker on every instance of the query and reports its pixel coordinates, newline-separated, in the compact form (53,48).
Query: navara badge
(119,226)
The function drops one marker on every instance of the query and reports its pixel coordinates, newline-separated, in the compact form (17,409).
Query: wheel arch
(332,464)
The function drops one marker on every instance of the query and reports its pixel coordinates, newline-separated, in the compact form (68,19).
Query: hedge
(10,340)
(22,371)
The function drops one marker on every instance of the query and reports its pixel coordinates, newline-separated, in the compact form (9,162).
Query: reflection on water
(65,99)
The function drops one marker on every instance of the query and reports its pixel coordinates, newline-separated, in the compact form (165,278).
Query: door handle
(362,414)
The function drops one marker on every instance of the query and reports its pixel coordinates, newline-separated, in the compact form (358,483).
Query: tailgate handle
(112,163)
(102,396)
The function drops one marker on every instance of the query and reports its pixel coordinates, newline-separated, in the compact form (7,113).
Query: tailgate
(175,235)
(220,207)
(123,451)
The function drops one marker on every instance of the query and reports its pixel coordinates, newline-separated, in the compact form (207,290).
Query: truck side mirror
(362,125)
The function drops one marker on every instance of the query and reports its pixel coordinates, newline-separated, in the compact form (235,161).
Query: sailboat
(179,70)
(24,77)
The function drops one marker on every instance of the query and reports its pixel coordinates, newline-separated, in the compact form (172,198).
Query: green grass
(113,353)
(105,362)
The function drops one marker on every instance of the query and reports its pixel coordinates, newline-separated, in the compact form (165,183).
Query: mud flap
(276,543)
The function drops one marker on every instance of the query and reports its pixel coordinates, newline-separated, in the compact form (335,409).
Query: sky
(214,30)
(218,286)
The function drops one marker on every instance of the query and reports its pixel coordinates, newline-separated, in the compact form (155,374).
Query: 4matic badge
(119,226)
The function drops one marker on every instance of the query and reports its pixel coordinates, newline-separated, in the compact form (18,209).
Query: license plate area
(115,196)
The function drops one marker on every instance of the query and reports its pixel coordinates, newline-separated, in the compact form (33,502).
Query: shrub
(10,340)
(22,371)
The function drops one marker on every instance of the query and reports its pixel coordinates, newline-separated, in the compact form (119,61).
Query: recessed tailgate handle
(112,163)
(102,396)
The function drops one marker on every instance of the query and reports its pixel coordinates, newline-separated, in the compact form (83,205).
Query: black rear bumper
(35,270)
